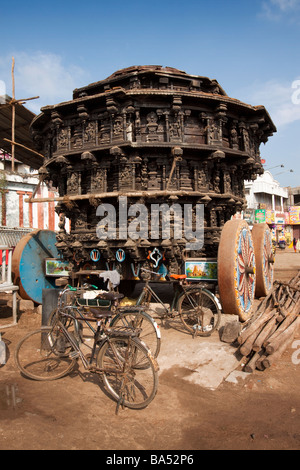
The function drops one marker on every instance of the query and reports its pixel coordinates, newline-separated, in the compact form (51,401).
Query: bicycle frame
(78,311)
(98,333)
(178,292)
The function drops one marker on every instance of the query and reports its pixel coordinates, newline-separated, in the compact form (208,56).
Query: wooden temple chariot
(155,135)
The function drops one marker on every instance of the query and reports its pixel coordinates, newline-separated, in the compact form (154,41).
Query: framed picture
(205,269)
(56,267)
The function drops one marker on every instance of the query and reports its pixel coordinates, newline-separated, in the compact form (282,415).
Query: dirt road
(260,412)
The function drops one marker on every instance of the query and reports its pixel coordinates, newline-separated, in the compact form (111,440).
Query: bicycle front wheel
(40,355)
(199,311)
(150,333)
(130,373)
(70,323)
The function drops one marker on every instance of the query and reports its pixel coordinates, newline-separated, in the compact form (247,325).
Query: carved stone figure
(152,127)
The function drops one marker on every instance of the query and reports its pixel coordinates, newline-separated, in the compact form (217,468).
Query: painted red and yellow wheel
(236,269)
(262,239)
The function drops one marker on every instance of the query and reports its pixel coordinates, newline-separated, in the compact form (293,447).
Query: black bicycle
(71,301)
(128,369)
(197,307)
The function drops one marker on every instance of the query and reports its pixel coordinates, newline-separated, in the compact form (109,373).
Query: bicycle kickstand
(120,403)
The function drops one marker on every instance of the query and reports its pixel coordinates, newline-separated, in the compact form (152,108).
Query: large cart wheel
(28,264)
(264,257)
(236,269)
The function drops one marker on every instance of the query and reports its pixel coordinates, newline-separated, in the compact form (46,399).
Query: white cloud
(280,99)
(275,10)
(44,75)
(286,5)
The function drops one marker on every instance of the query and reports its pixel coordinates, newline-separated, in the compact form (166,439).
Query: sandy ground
(260,411)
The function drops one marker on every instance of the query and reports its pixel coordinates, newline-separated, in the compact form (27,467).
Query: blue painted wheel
(28,264)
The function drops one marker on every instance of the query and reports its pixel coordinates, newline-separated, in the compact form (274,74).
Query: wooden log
(275,344)
(116,194)
(280,317)
(271,358)
(283,326)
(246,347)
(259,363)
(283,298)
(251,364)
(291,286)
(292,300)
(248,330)
(266,331)
(13,117)
(23,146)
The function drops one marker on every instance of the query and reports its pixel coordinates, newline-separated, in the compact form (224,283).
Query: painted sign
(279,218)
(294,215)
(260,216)
(56,267)
(201,270)
(270,217)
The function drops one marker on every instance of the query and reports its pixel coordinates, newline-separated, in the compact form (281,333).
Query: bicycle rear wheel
(199,311)
(131,384)
(41,355)
(150,333)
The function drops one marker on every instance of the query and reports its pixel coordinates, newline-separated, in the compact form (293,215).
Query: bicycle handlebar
(177,277)
(85,286)
(152,272)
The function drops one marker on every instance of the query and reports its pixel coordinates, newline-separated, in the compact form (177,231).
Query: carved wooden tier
(155,135)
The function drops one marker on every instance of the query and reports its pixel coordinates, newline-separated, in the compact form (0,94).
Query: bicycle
(132,316)
(198,309)
(128,370)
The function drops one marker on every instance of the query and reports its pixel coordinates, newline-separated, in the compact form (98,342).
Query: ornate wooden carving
(156,135)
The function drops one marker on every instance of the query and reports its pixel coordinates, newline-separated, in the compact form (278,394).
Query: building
(19,178)
(17,216)
(294,196)
(268,202)
(266,193)
(294,210)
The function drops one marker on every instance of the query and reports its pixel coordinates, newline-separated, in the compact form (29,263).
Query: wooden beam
(116,194)
(13,117)
(24,147)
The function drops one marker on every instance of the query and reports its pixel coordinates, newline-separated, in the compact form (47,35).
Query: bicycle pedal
(74,354)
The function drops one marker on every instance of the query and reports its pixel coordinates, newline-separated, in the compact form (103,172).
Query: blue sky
(252,47)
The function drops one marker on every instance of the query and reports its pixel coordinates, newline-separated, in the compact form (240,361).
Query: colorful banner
(270,217)
(294,215)
(260,216)
(287,218)
(279,218)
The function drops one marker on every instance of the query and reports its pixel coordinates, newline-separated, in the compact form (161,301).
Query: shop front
(294,218)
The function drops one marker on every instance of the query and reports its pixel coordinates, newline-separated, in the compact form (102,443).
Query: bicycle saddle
(100,313)
(110,296)
(178,276)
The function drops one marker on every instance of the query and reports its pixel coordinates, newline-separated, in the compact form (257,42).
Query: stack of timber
(272,328)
